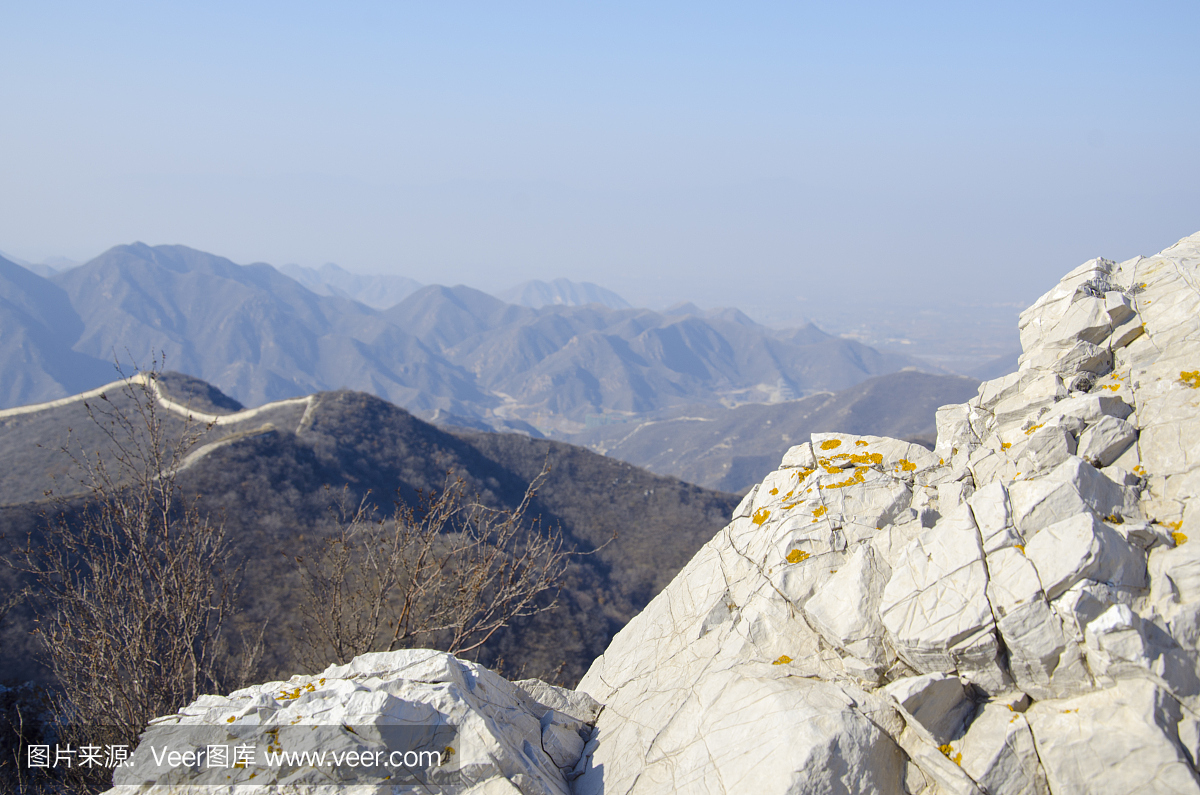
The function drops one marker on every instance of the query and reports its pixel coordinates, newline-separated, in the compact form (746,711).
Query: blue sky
(777,156)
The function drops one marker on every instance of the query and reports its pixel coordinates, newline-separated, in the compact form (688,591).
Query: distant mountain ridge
(733,449)
(561,292)
(259,335)
(378,291)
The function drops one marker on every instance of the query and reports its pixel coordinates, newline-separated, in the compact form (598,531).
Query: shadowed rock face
(997,615)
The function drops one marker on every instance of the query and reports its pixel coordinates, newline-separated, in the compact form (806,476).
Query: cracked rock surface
(1015,612)
(507,737)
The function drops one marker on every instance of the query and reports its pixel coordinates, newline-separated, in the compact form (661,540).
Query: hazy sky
(756,154)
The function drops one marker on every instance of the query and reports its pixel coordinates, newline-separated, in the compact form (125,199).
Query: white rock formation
(1018,612)
(1015,612)
(494,736)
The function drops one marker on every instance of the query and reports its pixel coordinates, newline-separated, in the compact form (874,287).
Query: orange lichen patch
(1191,378)
(1179,538)
(801,474)
(1115,518)
(857,477)
(774,491)
(760,516)
(1020,548)
(904,465)
(941,462)
(820,511)
(860,458)
(1034,428)
(860,443)
(797,555)
(1139,470)
(1069,711)
(783,660)
(1005,445)
(231,719)
(951,754)
(1111,387)
(830,444)
(1173,525)
(832,470)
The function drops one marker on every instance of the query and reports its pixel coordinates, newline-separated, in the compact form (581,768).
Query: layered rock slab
(492,736)
(1015,612)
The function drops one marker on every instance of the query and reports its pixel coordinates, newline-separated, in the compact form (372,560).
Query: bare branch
(135,588)
(449,574)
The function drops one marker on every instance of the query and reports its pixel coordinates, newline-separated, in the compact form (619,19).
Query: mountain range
(260,335)
(731,449)
(264,473)
(561,292)
(379,291)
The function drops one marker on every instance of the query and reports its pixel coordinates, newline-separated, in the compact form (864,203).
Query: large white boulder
(356,722)
(1016,612)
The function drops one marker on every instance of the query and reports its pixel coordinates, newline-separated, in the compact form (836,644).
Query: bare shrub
(447,574)
(133,590)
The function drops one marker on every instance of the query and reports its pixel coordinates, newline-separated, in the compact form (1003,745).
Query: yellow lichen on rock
(856,478)
(830,444)
(783,660)
(860,458)
(760,516)
(951,754)
(797,555)
(1190,378)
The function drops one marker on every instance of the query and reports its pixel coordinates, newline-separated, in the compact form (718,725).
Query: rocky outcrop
(1017,611)
(370,727)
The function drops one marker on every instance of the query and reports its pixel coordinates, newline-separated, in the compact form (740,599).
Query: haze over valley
(552,362)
